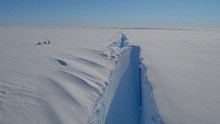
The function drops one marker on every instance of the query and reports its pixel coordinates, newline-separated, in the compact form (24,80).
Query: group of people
(44,42)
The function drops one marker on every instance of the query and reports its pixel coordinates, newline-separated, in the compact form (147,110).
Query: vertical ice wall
(125,106)
(128,96)
(150,114)
(119,51)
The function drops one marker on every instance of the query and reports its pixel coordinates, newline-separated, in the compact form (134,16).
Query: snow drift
(56,84)
(50,84)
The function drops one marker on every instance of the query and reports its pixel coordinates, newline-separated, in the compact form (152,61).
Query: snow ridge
(120,57)
(120,52)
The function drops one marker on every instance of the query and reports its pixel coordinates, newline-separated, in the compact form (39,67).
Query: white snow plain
(183,67)
(51,83)
(62,82)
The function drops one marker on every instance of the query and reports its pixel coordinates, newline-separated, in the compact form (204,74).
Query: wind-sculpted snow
(62,62)
(63,84)
(50,84)
(121,57)
(72,80)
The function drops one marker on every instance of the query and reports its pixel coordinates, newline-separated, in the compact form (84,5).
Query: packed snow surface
(66,81)
(183,67)
(52,83)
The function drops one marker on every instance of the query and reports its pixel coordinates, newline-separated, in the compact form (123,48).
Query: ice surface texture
(128,97)
(182,66)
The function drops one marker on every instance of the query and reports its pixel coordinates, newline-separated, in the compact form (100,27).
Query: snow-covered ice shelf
(54,84)
(76,79)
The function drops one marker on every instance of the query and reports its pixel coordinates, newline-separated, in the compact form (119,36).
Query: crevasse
(128,96)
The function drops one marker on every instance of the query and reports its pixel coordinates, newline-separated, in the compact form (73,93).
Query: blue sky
(111,13)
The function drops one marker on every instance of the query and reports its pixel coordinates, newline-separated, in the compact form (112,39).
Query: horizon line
(135,28)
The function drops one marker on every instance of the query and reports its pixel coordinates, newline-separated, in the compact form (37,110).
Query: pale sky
(111,13)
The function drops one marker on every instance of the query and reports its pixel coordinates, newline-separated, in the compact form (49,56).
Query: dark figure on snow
(39,43)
